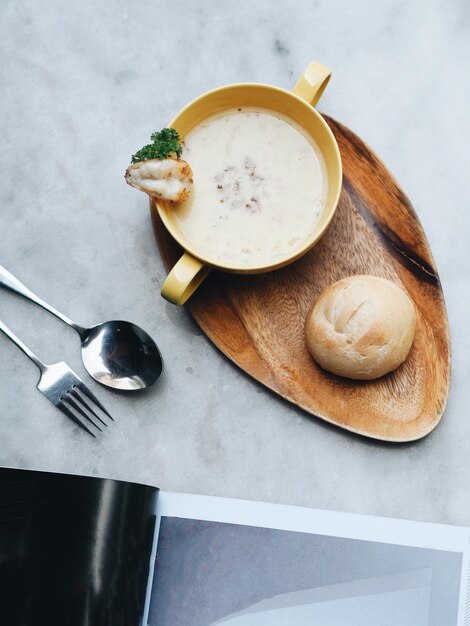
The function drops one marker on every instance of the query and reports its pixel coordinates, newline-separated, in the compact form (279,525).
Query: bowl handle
(313,82)
(184,279)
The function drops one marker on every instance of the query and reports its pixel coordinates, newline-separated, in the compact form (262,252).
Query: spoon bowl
(121,355)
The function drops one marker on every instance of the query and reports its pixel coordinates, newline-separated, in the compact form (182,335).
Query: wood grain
(258,321)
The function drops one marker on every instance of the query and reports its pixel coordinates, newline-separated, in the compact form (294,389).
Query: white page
(415,603)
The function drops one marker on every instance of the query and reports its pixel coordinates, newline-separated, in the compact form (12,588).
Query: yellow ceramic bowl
(298,105)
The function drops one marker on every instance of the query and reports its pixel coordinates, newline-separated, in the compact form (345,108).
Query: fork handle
(10,282)
(11,335)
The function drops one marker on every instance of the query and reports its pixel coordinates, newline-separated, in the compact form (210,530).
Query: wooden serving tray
(258,321)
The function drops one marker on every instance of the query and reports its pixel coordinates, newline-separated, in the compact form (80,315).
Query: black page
(74,551)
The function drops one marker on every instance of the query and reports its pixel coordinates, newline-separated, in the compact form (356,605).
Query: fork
(61,386)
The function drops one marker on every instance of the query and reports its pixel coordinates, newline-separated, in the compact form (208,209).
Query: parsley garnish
(165,143)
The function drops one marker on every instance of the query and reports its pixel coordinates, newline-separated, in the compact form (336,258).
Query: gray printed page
(388,600)
(210,573)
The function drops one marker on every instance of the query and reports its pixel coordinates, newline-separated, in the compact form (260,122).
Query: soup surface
(260,186)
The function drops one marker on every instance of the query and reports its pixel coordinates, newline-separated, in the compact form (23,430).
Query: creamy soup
(259,189)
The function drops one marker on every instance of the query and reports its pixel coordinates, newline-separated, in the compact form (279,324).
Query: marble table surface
(82,86)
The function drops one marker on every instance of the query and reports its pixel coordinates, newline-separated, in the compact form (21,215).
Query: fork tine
(79,409)
(84,389)
(73,392)
(61,406)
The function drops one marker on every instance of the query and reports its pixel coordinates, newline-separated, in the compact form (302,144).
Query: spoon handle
(9,282)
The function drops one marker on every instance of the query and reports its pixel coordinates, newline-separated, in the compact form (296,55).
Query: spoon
(117,354)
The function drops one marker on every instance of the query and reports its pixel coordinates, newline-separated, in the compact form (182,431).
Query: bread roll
(361,327)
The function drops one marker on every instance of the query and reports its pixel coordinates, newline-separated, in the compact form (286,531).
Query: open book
(77,551)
